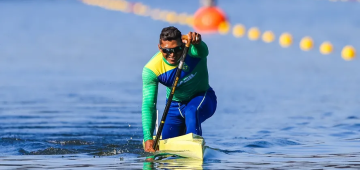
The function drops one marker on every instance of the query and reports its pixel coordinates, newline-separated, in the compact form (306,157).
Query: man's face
(171,50)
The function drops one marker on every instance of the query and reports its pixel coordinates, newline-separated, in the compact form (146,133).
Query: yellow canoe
(189,146)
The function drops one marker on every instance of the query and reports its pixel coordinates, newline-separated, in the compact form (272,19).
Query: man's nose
(170,54)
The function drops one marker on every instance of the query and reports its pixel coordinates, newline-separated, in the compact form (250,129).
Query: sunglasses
(173,50)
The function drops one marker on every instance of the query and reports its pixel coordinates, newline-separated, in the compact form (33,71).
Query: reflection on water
(174,163)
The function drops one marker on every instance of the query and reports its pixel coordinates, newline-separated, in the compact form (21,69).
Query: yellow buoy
(326,48)
(155,14)
(285,40)
(89,2)
(102,3)
(224,27)
(306,43)
(144,10)
(348,53)
(190,20)
(119,6)
(171,17)
(109,5)
(163,15)
(239,30)
(268,36)
(182,18)
(254,33)
(147,10)
(139,9)
(127,6)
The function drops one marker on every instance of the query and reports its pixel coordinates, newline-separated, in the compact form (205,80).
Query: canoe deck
(189,146)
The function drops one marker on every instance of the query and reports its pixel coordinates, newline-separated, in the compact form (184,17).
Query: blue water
(70,87)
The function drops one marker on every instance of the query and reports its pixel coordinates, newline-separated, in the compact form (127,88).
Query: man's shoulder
(154,61)
(157,65)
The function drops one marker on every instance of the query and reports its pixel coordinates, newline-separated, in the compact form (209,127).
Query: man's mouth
(172,58)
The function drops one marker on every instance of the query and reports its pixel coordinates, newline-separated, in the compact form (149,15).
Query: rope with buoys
(217,23)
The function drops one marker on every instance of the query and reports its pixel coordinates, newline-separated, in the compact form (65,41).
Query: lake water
(71,90)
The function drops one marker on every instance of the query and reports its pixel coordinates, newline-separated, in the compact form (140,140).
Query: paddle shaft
(167,107)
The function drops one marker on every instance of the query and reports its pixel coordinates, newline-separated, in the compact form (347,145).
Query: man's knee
(191,108)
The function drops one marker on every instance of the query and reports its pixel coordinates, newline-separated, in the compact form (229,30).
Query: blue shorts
(186,117)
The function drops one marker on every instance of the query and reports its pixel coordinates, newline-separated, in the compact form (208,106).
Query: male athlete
(194,100)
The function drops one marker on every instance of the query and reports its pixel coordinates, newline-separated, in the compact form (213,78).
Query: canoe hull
(189,146)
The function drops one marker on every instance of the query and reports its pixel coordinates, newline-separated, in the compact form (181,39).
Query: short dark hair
(170,33)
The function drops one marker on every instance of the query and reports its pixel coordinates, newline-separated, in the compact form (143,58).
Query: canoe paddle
(177,75)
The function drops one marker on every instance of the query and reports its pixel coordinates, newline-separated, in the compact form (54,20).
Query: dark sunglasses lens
(178,49)
(167,50)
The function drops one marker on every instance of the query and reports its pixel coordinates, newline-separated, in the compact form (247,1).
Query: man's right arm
(148,111)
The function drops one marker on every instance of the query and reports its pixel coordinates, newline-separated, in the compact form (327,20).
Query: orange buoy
(208,19)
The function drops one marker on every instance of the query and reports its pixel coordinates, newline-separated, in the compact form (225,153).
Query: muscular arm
(148,111)
(199,50)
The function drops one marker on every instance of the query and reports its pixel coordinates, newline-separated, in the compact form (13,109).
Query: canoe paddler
(194,100)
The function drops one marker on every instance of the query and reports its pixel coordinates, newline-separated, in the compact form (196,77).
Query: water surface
(71,90)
